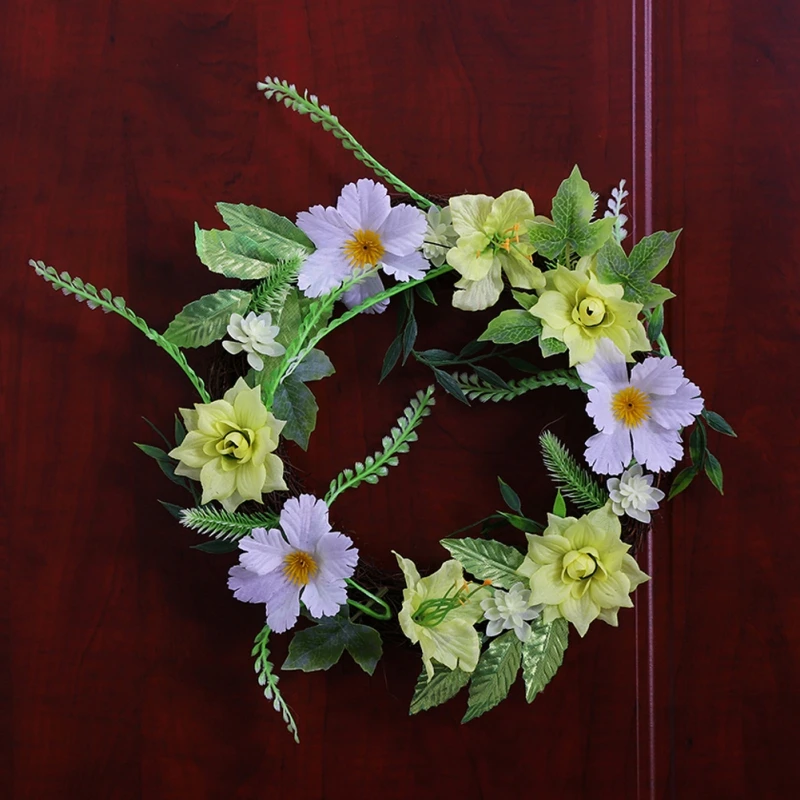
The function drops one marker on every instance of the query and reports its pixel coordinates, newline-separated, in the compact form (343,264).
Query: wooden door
(125,659)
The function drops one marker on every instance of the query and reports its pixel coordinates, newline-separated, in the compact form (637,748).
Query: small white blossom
(439,236)
(254,335)
(510,610)
(634,494)
(615,205)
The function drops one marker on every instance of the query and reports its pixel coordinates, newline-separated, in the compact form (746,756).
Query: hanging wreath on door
(491,610)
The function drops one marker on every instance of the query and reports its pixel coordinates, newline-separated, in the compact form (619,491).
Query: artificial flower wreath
(492,609)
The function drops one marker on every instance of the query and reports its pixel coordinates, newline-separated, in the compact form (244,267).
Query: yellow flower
(578,310)
(492,239)
(580,569)
(440,612)
(229,447)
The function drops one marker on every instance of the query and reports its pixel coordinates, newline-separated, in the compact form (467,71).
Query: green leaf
(175,510)
(294,403)
(559,506)
(655,324)
(449,384)
(512,327)
(206,320)
(527,301)
(510,497)
(682,480)
(697,444)
(487,560)
(522,523)
(166,463)
(425,293)
(490,377)
(716,422)
(573,207)
(409,337)
(216,547)
(229,525)
(279,235)
(445,684)
(714,470)
(543,654)
(435,356)
(321,646)
(572,480)
(315,366)
(635,272)
(495,674)
(180,430)
(552,346)
(233,255)
(391,358)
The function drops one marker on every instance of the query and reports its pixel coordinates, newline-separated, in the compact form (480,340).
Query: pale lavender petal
(405,268)
(403,230)
(656,447)
(364,289)
(599,409)
(264,551)
(304,520)
(249,587)
(323,271)
(494,627)
(283,604)
(679,409)
(609,453)
(335,556)
(364,205)
(606,368)
(658,375)
(324,226)
(324,597)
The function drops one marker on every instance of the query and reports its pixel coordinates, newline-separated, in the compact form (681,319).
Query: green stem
(384,614)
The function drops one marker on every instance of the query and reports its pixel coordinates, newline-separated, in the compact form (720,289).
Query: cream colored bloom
(229,447)
(492,239)
(255,335)
(579,310)
(440,612)
(580,569)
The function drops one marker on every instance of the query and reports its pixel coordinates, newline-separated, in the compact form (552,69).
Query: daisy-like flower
(229,447)
(511,610)
(640,416)
(634,494)
(363,232)
(256,336)
(440,235)
(580,569)
(306,561)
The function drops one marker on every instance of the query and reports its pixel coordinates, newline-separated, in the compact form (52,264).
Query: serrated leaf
(294,403)
(512,327)
(495,674)
(718,423)
(279,235)
(450,385)
(559,506)
(233,254)
(510,497)
(573,207)
(487,559)
(714,471)
(543,654)
(635,272)
(204,321)
(315,366)
(445,684)
(682,480)
(321,646)
(552,346)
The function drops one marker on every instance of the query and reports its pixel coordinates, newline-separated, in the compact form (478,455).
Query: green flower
(492,239)
(580,569)
(440,613)
(578,310)
(229,447)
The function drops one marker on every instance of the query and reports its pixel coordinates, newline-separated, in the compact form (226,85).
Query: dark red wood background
(125,661)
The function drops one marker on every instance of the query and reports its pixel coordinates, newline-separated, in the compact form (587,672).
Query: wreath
(491,610)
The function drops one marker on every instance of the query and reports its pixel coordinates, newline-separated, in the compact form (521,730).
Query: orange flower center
(364,249)
(299,567)
(631,406)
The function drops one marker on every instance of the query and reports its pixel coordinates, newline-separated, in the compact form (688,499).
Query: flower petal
(607,368)
(581,612)
(679,409)
(323,271)
(247,586)
(250,480)
(336,556)
(405,267)
(304,520)
(273,480)
(217,482)
(367,287)
(547,587)
(190,451)
(364,205)
(283,604)
(554,310)
(477,295)
(324,226)
(656,447)
(324,597)
(263,550)
(609,453)
(470,212)
(599,408)
(403,230)
(250,410)
(658,376)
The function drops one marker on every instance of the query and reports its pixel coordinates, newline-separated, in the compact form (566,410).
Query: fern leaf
(269,680)
(476,389)
(229,526)
(573,481)
(270,294)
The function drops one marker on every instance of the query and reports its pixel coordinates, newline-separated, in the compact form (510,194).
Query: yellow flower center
(235,444)
(299,567)
(631,406)
(364,249)
(591,311)
(578,565)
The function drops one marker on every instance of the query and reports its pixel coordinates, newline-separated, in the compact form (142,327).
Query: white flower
(254,334)
(640,416)
(440,235)
(510,610)
(307,559)
(634,494)
(363,232)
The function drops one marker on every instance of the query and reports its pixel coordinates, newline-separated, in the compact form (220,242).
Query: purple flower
(640,416)
(308,561)
(362,232)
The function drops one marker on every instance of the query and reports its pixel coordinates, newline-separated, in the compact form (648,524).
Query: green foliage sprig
(269,680)
(228,526)
(476,389)
(377,466)
(270,294)
(574,482)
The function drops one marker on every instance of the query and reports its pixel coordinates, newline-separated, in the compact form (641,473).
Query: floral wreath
(579,293)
